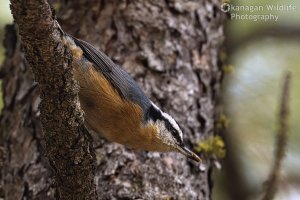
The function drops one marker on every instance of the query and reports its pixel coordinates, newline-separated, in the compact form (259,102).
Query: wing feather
(118,78)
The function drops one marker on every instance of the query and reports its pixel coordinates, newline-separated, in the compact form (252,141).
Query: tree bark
(67,145)
(171,49)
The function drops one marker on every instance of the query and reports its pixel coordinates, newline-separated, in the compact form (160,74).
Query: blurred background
(259,53)
(5,17)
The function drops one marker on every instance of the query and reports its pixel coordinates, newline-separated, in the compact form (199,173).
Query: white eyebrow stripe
(171,120)
(155,106)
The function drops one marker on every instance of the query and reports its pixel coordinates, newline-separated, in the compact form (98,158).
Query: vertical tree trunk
(171,49)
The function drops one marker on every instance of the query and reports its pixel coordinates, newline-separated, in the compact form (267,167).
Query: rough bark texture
(171,49)
(24,172)
(66,142)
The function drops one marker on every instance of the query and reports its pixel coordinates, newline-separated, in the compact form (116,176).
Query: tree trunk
(171,48)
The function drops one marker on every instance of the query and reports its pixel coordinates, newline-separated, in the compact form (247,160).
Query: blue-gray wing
(118,78)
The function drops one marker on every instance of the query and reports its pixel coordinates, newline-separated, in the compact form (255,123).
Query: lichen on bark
(171,49)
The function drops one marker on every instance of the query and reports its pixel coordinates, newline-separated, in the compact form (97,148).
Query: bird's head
(169,133)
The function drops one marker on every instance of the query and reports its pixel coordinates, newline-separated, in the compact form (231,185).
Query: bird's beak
(188,153)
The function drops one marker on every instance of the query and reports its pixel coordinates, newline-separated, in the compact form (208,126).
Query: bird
(116,108)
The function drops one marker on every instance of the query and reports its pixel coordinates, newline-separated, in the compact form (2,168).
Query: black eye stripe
(155,115)
(173,131)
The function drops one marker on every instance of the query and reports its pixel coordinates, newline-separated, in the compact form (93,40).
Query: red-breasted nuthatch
(116,107)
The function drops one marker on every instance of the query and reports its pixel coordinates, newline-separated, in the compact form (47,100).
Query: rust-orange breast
(107,113)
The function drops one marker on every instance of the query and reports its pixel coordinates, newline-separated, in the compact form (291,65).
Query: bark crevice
(65,139)
(173,55)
